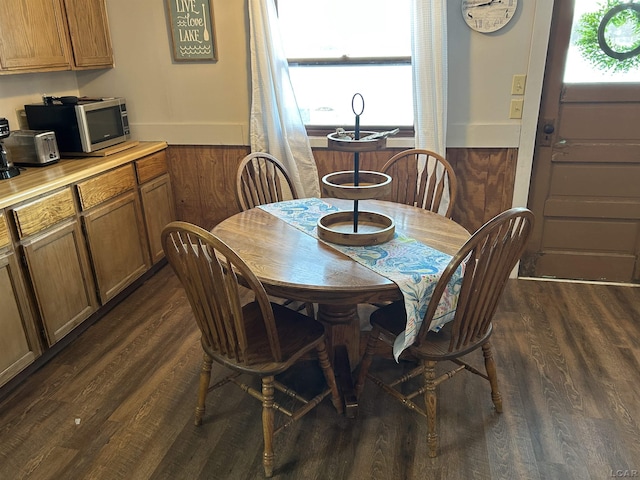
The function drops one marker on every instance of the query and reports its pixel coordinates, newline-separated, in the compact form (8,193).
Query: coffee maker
(7,170)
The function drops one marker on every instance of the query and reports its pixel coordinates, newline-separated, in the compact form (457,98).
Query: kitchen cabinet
(48,35)
(72,236)
(56,261)
(157,199)
(89,33)
(114,227)
(19,343)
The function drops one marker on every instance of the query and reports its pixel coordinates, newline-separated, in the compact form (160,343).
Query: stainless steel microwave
(85,126)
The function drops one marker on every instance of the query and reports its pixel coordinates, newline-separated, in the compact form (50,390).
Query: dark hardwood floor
(118,403)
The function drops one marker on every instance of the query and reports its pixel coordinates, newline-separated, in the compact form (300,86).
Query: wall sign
(192,35)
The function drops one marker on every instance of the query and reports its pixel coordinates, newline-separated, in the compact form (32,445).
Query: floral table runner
(413,266)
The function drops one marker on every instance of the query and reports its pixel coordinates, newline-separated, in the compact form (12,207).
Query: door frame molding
(532,100)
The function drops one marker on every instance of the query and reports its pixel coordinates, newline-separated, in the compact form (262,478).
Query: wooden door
(157,203)
(117,244)
(585,189)
(61,278)
(19,343)
(89,31)
(33,35)
(157,199)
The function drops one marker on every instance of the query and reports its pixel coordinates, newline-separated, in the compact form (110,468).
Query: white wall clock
(488,15)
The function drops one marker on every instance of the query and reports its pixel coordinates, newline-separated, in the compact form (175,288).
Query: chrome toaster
(32,148)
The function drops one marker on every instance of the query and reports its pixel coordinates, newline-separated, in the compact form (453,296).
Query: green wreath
(600,49)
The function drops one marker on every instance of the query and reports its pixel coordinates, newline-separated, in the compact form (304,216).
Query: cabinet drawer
(4,232)
(152,166)
(43,213)
(99,189)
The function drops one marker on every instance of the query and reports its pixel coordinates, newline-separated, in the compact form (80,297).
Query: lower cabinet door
(117,244)
(19,344)
(61,279)
(157,203)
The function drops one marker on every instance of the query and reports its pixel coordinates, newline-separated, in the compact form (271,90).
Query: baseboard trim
(588,282)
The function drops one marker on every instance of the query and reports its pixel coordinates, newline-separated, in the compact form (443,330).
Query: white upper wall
(18,90)
(481,69)
(208,103)
(181,102)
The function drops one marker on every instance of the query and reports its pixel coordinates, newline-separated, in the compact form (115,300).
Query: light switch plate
(518,84)
(516,108)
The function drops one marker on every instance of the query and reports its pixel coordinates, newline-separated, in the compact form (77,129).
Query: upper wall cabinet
(89,30)
(48,35)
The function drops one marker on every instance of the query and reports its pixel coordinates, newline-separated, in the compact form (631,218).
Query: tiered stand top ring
(365,143)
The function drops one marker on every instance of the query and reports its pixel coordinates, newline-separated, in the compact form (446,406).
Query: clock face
(488,15)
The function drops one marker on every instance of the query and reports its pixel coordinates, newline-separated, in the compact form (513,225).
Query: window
(337,48)
(592,65)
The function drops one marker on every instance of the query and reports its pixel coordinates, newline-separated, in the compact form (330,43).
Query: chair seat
(392,319)
(299,334)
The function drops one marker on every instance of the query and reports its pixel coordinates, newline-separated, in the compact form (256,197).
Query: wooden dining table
(295,265)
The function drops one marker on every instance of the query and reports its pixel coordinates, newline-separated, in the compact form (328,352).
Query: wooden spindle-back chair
(487,259)
(254,337)
(262,179)
(423,179)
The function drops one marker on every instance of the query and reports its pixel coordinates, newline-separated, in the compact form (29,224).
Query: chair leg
(329,375)
(203,389)
(431,403)
(267,425)
(310,309)
(490,365)
(367,358)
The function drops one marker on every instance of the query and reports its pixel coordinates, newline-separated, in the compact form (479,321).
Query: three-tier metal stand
(356,227)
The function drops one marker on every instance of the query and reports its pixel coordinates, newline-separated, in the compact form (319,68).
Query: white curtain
(429,66)
(429,63)
(276,126)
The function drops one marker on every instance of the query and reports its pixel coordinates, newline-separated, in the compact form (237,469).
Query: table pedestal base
(343,338)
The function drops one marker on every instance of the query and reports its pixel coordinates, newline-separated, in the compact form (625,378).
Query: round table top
(293,264)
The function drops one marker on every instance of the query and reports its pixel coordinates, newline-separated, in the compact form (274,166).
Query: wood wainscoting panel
(486,178)
(203,179)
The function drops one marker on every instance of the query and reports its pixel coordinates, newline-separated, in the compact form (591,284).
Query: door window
(618,23)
